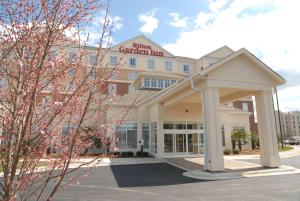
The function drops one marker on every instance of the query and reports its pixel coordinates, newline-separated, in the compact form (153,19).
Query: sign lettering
(138,48)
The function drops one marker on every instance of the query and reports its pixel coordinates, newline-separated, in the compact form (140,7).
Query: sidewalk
(283,154)
(234,167)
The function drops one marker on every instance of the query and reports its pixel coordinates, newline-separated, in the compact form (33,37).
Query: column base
(215,166)
(270,160)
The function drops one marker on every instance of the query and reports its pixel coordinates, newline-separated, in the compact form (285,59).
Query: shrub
(116,153)
(142,154)
(126,154)
(227,151)
(236,151)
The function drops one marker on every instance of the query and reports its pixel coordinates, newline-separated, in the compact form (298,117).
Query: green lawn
(286,148)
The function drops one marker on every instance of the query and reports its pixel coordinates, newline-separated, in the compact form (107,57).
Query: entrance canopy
(238,75)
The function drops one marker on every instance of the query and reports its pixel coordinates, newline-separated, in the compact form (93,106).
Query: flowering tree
(53,92)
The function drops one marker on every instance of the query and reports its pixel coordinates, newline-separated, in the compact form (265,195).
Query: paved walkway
(234,167)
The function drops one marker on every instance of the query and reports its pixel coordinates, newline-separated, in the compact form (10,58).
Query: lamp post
(279,117)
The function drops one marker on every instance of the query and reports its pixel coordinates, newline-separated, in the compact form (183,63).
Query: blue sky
(267,28)
(130,11)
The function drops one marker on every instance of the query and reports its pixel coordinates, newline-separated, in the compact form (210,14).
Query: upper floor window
(67,129)
(146,82)
(151,64)
(69,87)
(132,62)
(112,89)
(47,86)
(131,75)
(71,71)
(52,55)
(3,83)
(153,82)
(245,106)
(160,83)
(92,73)
(113,60)
(72,57)
(93,60)
(168,66)
(186,68)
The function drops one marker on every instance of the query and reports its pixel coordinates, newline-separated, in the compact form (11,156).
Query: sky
(270,29)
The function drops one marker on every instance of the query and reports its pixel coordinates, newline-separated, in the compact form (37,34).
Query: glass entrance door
(192,140)
(180,143)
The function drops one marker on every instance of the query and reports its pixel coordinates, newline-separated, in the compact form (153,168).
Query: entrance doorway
(183,138)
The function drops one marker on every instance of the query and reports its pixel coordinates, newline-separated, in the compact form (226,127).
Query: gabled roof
(225,47)
(280,80)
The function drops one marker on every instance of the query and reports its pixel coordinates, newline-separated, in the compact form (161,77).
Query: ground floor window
(223,135)
(127,136)
(146,129)
(154,137)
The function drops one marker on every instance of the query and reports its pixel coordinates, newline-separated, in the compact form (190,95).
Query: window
(52,55)
(72,57)
(186,68)
(69,87)
(146,134)
(173,81)
(47,86)
(154,137)
(46,100)
(146,82)
(92,73)
(223,135)
(67,128)
(71,71)
(167,83)
(131,75)
(113,60)
(151,64)
(93,59)
(168,66)
(160,83)
(132,62)
(112,89)
(245,106)
(153,82)
(3,83)
(127,136)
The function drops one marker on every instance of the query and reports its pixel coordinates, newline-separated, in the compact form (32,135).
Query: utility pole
(279,117)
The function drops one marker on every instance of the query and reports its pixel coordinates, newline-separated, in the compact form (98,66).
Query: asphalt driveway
(161,182)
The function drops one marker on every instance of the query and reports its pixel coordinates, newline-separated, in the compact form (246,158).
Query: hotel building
(182,106)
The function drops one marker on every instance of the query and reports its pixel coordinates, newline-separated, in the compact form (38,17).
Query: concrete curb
(204,175)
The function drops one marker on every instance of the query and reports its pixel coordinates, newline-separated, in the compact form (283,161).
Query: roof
(201,75)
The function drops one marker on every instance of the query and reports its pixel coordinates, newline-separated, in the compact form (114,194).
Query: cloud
(150,22)
(178,22)
(268,28)
(215,6)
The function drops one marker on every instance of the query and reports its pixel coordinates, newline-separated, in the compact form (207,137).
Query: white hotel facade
(183,106)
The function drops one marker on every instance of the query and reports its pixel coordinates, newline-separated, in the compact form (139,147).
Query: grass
(286,148)
(39,164)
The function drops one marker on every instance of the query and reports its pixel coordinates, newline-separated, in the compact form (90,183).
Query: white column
(160,135)
(269,155)
(212,124)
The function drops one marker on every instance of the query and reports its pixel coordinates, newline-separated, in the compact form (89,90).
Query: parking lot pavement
(163,182)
